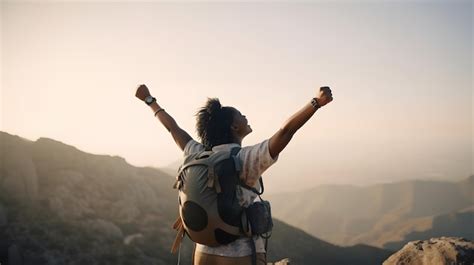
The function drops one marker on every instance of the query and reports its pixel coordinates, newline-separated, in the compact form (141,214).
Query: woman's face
(240,124)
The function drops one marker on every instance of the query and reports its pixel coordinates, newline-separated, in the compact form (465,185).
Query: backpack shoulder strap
(234,151)
(237,162)
(262,188)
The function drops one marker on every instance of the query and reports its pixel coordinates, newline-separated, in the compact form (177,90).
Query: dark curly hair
(213,124)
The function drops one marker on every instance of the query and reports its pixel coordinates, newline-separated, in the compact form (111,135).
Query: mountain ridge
(350,214)
(64,205)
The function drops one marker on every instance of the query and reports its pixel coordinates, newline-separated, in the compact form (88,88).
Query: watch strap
(315,104)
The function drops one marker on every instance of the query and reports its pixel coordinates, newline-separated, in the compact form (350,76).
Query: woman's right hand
(142,92)
(325,96)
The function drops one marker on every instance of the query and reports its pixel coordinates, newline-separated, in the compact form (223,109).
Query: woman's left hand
(325,96)
(142,92)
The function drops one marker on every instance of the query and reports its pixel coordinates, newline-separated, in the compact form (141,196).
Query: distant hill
(287,241)
(379,214)
(60,205)
(456,224)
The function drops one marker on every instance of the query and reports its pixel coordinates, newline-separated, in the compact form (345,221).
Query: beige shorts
(208,259)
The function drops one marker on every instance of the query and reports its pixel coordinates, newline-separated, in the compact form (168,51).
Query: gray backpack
(210,212)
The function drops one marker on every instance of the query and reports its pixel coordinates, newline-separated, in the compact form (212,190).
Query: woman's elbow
(286,132)
(279,141)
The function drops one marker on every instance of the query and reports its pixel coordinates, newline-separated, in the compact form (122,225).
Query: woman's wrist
(158,111)
(154,106)
(315,103)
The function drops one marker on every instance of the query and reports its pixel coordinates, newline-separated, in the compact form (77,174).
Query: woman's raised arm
(282,137)
(180,136)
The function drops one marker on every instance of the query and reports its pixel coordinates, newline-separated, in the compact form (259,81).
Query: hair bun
(213,105)
(213,123)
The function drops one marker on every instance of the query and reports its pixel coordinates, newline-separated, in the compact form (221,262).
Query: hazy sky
(400,72)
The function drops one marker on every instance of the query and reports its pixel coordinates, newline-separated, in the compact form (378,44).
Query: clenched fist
(325,96)
(142,92)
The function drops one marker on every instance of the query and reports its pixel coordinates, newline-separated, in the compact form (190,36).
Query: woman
(222,128)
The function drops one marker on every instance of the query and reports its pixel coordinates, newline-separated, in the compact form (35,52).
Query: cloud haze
(400,72)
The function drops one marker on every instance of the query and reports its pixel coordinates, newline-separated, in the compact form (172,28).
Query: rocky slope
(60,205)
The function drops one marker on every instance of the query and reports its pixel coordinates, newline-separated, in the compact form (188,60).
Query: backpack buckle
(178,184)
(213,179)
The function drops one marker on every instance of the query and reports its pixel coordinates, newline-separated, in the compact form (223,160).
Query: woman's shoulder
(257,145)
(193,147)
(257,151)
(256,159)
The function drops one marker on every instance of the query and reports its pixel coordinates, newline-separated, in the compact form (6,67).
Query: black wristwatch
(149,100)
(315,104)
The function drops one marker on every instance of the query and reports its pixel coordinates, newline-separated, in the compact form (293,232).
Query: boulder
(439,251)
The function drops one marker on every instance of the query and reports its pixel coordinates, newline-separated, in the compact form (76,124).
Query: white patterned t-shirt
(255,160)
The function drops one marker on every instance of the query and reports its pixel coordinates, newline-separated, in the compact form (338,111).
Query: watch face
(149,99)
